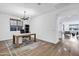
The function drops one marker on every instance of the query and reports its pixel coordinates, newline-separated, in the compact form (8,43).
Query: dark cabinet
(25,30)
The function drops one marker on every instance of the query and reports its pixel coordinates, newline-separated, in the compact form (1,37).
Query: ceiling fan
(24,17)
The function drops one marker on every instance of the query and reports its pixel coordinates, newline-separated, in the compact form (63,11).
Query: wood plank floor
(46,49)
(3,49)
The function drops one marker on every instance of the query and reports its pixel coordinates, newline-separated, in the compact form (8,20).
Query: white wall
(5,32)
(45,27)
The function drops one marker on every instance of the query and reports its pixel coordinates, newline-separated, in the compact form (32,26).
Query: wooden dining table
(16,37)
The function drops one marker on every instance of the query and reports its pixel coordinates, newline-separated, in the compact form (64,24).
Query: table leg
(13,39)
(17,42)
(34,37)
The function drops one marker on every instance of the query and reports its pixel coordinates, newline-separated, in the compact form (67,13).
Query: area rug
(25,47)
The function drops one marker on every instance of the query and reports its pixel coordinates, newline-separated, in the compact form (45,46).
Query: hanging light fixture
(24,17)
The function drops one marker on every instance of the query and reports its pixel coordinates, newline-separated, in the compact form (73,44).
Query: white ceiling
(32,9)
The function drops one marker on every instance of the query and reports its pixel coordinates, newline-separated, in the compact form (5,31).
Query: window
(74,27)
(15,25)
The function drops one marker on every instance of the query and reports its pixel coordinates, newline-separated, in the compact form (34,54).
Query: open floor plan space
(39,29)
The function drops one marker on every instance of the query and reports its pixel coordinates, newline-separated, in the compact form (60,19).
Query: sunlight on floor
(71,45)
